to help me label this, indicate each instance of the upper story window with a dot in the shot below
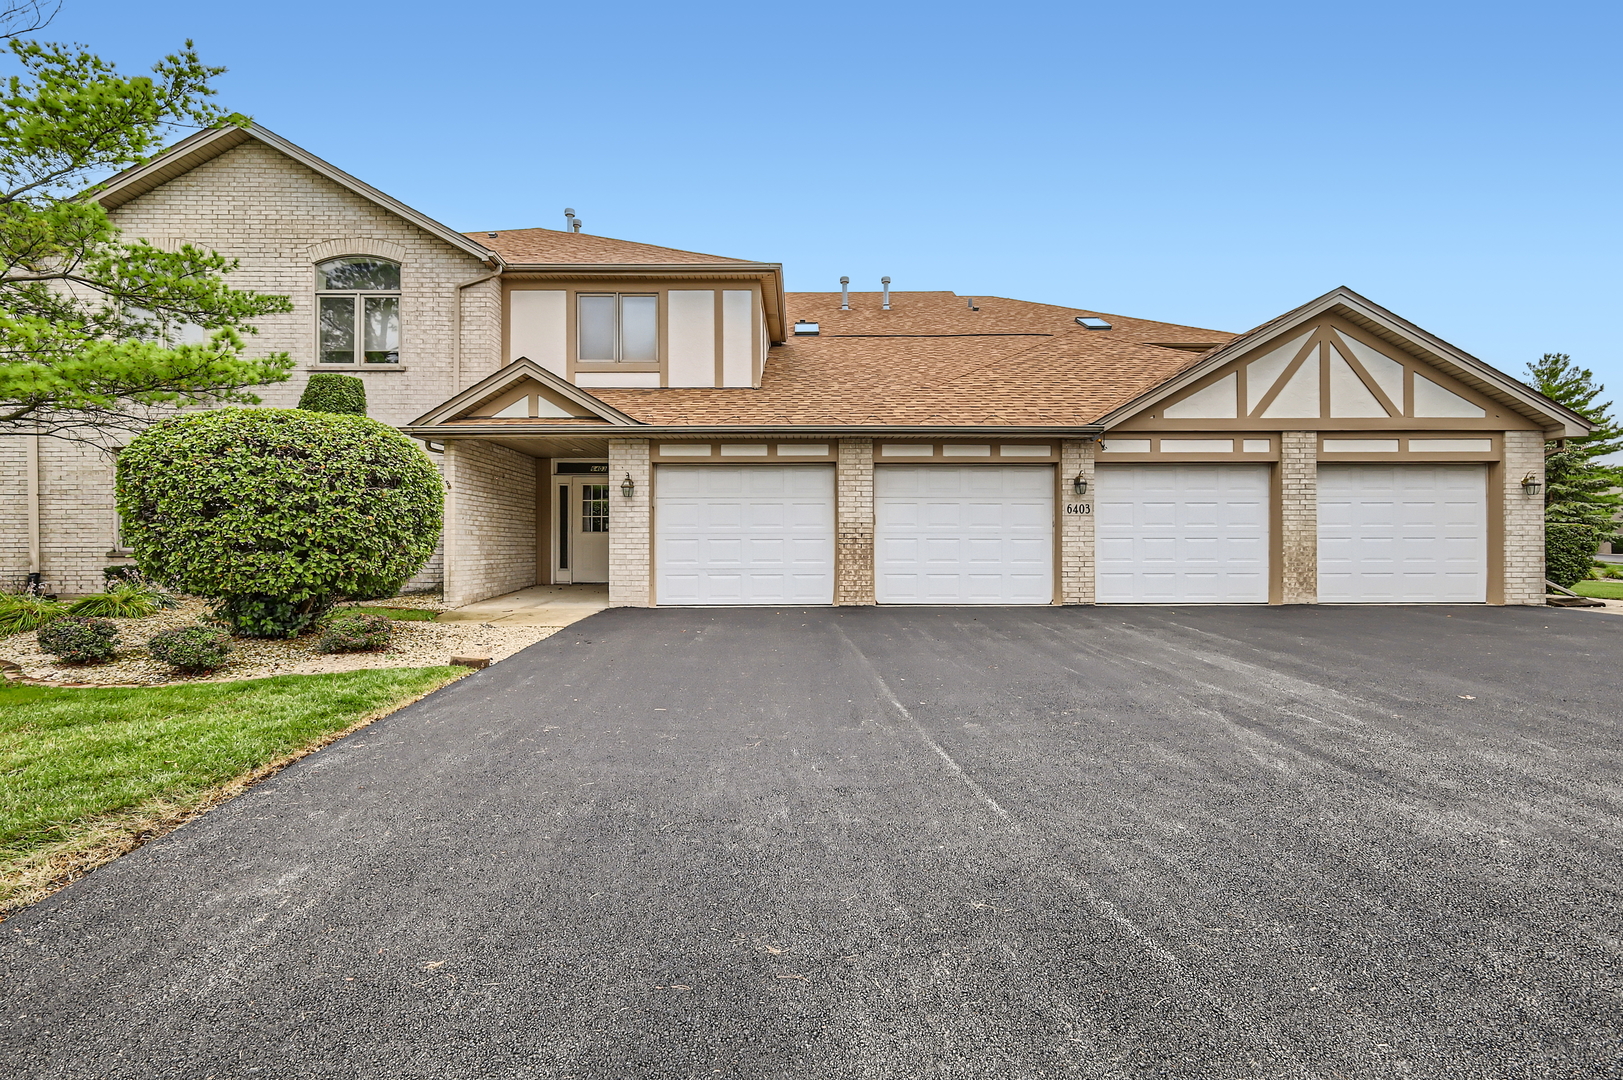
(618, 327)
(359, 301)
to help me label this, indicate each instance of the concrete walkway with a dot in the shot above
(539, 605)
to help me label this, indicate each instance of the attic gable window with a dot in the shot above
(618, 328)
(358, 298)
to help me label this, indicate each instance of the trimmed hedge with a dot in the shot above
(1569, 552)
(276, 514)
(79, 640)
(197, 649)
(330, 392)
(356, 631)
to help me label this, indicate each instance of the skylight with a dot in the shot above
(1089, 322)
(805, 329)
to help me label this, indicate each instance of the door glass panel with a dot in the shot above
(563, 526)
(337, 329)
(639, 329)
(597, 328)
(594, 508)
(382, 329)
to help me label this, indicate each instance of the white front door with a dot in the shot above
(1403, 534)
(1181, 534)
(744, 534)
(977, 534)
(581, 529)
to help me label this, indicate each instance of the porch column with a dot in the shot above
(489, 521)
(1076, 543)
(854, 524)
(631, 548)
(1523, 519)
(1298, 518)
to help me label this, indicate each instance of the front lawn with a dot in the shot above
(86, 775)
(1603, 590)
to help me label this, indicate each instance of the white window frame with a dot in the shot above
(360, 297)
(619, 328)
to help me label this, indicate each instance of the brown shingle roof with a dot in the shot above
(571, 248)
(931, 360)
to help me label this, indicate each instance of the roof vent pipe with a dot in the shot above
(885, 281)
(845, 293)
(571, 222)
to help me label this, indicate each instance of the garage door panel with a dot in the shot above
(1182, 534)
(744, 534)
(1396, 534)
(964, 535)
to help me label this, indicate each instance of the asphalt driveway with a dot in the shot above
(898, 843)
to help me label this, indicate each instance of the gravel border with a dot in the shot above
(416, 644)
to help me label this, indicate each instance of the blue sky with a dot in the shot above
(1211, 164)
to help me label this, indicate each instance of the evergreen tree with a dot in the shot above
(1580, 489)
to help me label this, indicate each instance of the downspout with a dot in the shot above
(34, 569)
(456, 342)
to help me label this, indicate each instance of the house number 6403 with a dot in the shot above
(1079, 508)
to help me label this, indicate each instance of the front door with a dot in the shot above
(581, 539)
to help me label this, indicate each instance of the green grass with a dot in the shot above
(105, 769)
(1604, 590)
(402, 614)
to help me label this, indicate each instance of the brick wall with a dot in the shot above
(490, 514)
(630, 524)
(854, 523)
(1524, 519)
(1076, 544)
(1299, 517)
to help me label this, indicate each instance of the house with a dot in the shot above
(677, 425)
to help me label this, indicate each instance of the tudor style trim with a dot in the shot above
(1559, 421)
(519, 370)
(205, 146)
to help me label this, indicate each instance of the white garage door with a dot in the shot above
(1181, 534)
(1403, 534)
(971, 535)
(744, 534)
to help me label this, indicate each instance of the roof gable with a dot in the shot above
(1345, 358)
(554, 246)
(205, 146)
(525, 392)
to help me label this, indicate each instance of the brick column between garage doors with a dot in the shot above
(1076, 534)
(854, 524)
(1299, 517)
(631, 552)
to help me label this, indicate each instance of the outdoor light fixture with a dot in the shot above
(1531, 485)
(1079, 485)
(628, 486)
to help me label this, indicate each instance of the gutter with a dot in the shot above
(456, 341)
(481, 431)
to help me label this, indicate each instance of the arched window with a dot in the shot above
(359, 301)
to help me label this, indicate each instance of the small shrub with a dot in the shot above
(126, 572)
(196, 649)
(330, 392)
(356, 631)
(21, 612)
(79, 640)
(1569, 552)
(127, 599)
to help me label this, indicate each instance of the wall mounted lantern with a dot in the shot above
(1531, 485)
(1079, 485)
(628, 486)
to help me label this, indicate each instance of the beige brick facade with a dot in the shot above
(854, 524)
(631, 552)
(1524, 519)
(490, 507)
(1298, 545)
(1076, 558)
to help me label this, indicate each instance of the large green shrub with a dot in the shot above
(1569, 552)
(196, 649)
(330, 392)
(276, 514)
(79, 640)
